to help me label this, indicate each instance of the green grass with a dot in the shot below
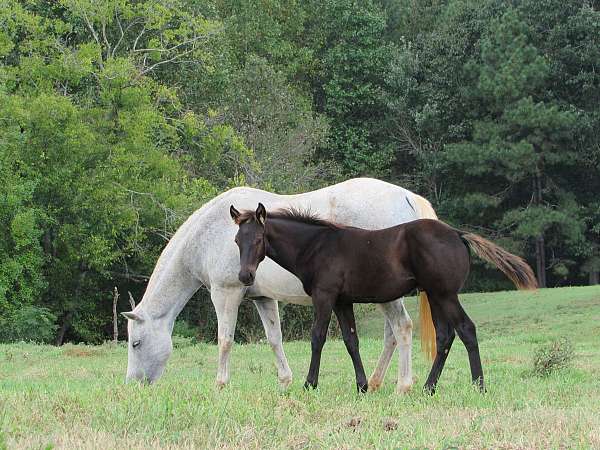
(74, 396)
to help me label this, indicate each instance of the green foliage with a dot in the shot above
(183, 329)
(28, 323)
(98, 153)
(486, 105)
(348, 83)
(280, 128)
(296, 322)
(552, 357)
(119, 118)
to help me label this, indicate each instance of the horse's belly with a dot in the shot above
(277, 283)
(372, 288)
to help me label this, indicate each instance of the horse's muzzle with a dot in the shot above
(247, 278)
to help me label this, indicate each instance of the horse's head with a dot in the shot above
(250, 240)
(149, 346)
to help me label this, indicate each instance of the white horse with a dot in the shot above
(203, 252)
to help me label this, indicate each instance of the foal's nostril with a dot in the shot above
(246, 277)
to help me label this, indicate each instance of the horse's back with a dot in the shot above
(208, 235)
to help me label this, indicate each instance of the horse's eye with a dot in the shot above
(136, 344)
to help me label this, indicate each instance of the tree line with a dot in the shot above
(119, 118)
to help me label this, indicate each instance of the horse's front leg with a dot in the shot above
(345, 315)
(389, 346)
(269, 315)
(226, 302)
(401, 325)
(323, 304)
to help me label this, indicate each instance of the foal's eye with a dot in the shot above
(136, 344)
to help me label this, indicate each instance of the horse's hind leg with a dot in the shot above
(465, 328)
(401, 325)
(345, 315)
(444, 337)
(226, 302)
(269, 315)
(389, 345)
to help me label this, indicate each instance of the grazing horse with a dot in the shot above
(339, 266)
(202, 252)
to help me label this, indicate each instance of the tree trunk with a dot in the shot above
(66, 322)
(115, 316)
(540, 248)
(540, 259)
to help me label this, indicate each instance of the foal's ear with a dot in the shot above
(235, 214)
(261, 213)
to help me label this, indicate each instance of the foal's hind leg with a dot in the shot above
(465, 328)
(444, 337)
(345, 315)
(448, 315)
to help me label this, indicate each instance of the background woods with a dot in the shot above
(119, 118)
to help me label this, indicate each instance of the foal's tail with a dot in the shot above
(514, 267)
(428, 347)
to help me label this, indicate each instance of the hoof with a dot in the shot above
(220, 384)
(374, 384)
(403, 388)
(285, 382)
(309, 386)
(362, 387)
(428, 389)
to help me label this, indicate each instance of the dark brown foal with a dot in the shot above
(339, 266)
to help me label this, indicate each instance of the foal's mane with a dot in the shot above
(294, 214)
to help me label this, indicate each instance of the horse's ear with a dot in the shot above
(261, 213)
(130, 315)
(235, 214)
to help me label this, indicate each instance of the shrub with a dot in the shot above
(28, 323)
(183, 329)
(554, 356)
(296, 321)
(184, 334)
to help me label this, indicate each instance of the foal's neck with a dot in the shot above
(287, 240)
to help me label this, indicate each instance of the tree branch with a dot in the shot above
(94, 34)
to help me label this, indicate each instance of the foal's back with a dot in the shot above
(382, 265)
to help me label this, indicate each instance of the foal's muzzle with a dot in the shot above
(247, 278)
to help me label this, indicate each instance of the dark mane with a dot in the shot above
(305, 216)
(296, 214)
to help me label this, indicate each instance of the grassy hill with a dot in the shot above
(74, 396)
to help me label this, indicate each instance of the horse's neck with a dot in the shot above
(288, 239)
(169, 289)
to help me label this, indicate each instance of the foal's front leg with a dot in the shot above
(345, 315)
(323, 304)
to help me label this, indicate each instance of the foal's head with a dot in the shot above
(250, 239)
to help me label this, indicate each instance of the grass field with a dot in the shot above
(74, 396)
